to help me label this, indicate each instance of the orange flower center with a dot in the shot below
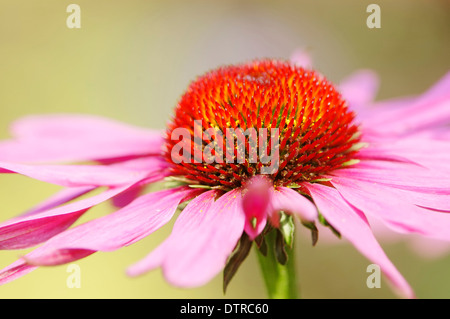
(265, 117)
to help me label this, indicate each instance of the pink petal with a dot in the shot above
(399, 175)
(121, 228)
(288, 200)
(413, 149)
(62, 197)
(380, 107)
(360, 89)
(396, 207)
(123, 199)
(14, 271)
(424, 246)
(31, 229)
(354, 226)
(191, 215)
(153, 165)
(45, 221)
(256, 203)
(148, 163)
(430, 110)
(20, 267)
(74, 138)
(437, 202)
(202, 239)
(76, 175)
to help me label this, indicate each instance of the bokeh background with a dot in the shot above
(131, 60)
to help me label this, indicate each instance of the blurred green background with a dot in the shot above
(131, 60)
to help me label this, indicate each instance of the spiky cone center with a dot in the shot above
(316, 130)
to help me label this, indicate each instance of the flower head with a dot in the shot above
(334, 157)
(316, 133)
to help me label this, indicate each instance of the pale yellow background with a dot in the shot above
(131, 60)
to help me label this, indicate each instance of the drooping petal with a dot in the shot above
(436, 202)
(61, 197)
(397, 208)
(46, 220)
(123, 199)
(147, 163)
(426, 247)
(430, 110)
(354, 226)
(399, 175)
(288, 200)
(14, 271)
(153, 165)
(76, 175)
(423, 150)
(21, 267)
(188, 220)
(34, 228)
(202, 239)
(75, 138)
(121, 228)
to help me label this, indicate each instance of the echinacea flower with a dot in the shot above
(320, 154)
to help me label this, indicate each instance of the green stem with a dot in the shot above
(280, 279)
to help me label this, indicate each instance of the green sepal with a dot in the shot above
(324, 222)
(280, 248)
(261, 242)
(314, 231)
(235, 261)
(287, 228)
